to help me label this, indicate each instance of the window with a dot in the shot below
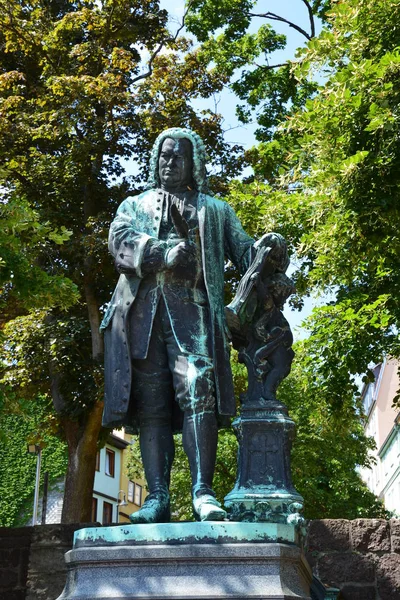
(94, 510)
(138, 495)
(131, 491)
(368, 397)
(107, 513)
(135, 493)
(98, 460)
(110, 462)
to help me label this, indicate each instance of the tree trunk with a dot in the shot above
(82, 434)
(94, 320)
(82, 447)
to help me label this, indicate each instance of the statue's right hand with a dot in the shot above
(181, 254)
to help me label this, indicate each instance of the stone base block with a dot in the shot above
(187, 571)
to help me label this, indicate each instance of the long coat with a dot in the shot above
(221, 237)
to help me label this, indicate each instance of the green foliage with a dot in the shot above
(22, 237)
(206, 16)
(329, 181)
(18, 468)
(333, 179)
(340, 165)
(39, 348)
(268, 91)
(330, 444)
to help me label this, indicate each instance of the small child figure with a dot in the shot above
(273, 360)
(258, 328)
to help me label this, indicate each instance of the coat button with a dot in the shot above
(124, 399)
(128, 303)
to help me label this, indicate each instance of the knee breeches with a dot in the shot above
(167, 374)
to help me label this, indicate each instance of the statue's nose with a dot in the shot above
(171, 160)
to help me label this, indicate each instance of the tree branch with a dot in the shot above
(274, 17)
(161, 46)
(269, 67)
(311, 17)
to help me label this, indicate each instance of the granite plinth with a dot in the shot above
(174, 565)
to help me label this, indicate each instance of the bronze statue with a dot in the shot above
(166, 340)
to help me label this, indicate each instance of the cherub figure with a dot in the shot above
(273, 360)
(259, 330)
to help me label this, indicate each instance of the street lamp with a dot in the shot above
(36, 450)
(122, 502)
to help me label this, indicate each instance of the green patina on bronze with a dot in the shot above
(185, 533)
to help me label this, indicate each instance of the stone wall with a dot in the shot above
(14, 559)
(32, 565)
(360, 557)
(47, 570)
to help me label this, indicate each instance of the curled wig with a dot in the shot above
(199, 157)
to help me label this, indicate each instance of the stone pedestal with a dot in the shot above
(187, 561)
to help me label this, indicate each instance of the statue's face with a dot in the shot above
(175, 165)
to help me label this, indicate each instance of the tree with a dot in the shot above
(341, 157)
(72, 107)
(328, 181)
(267, 90)
(24, 285)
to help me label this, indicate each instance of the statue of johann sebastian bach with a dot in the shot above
(166, 348)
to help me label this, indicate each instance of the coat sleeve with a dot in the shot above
(135, 252)
(241, 249)
(238, 245)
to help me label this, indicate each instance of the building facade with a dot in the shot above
(115, 496)
(383, 424)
